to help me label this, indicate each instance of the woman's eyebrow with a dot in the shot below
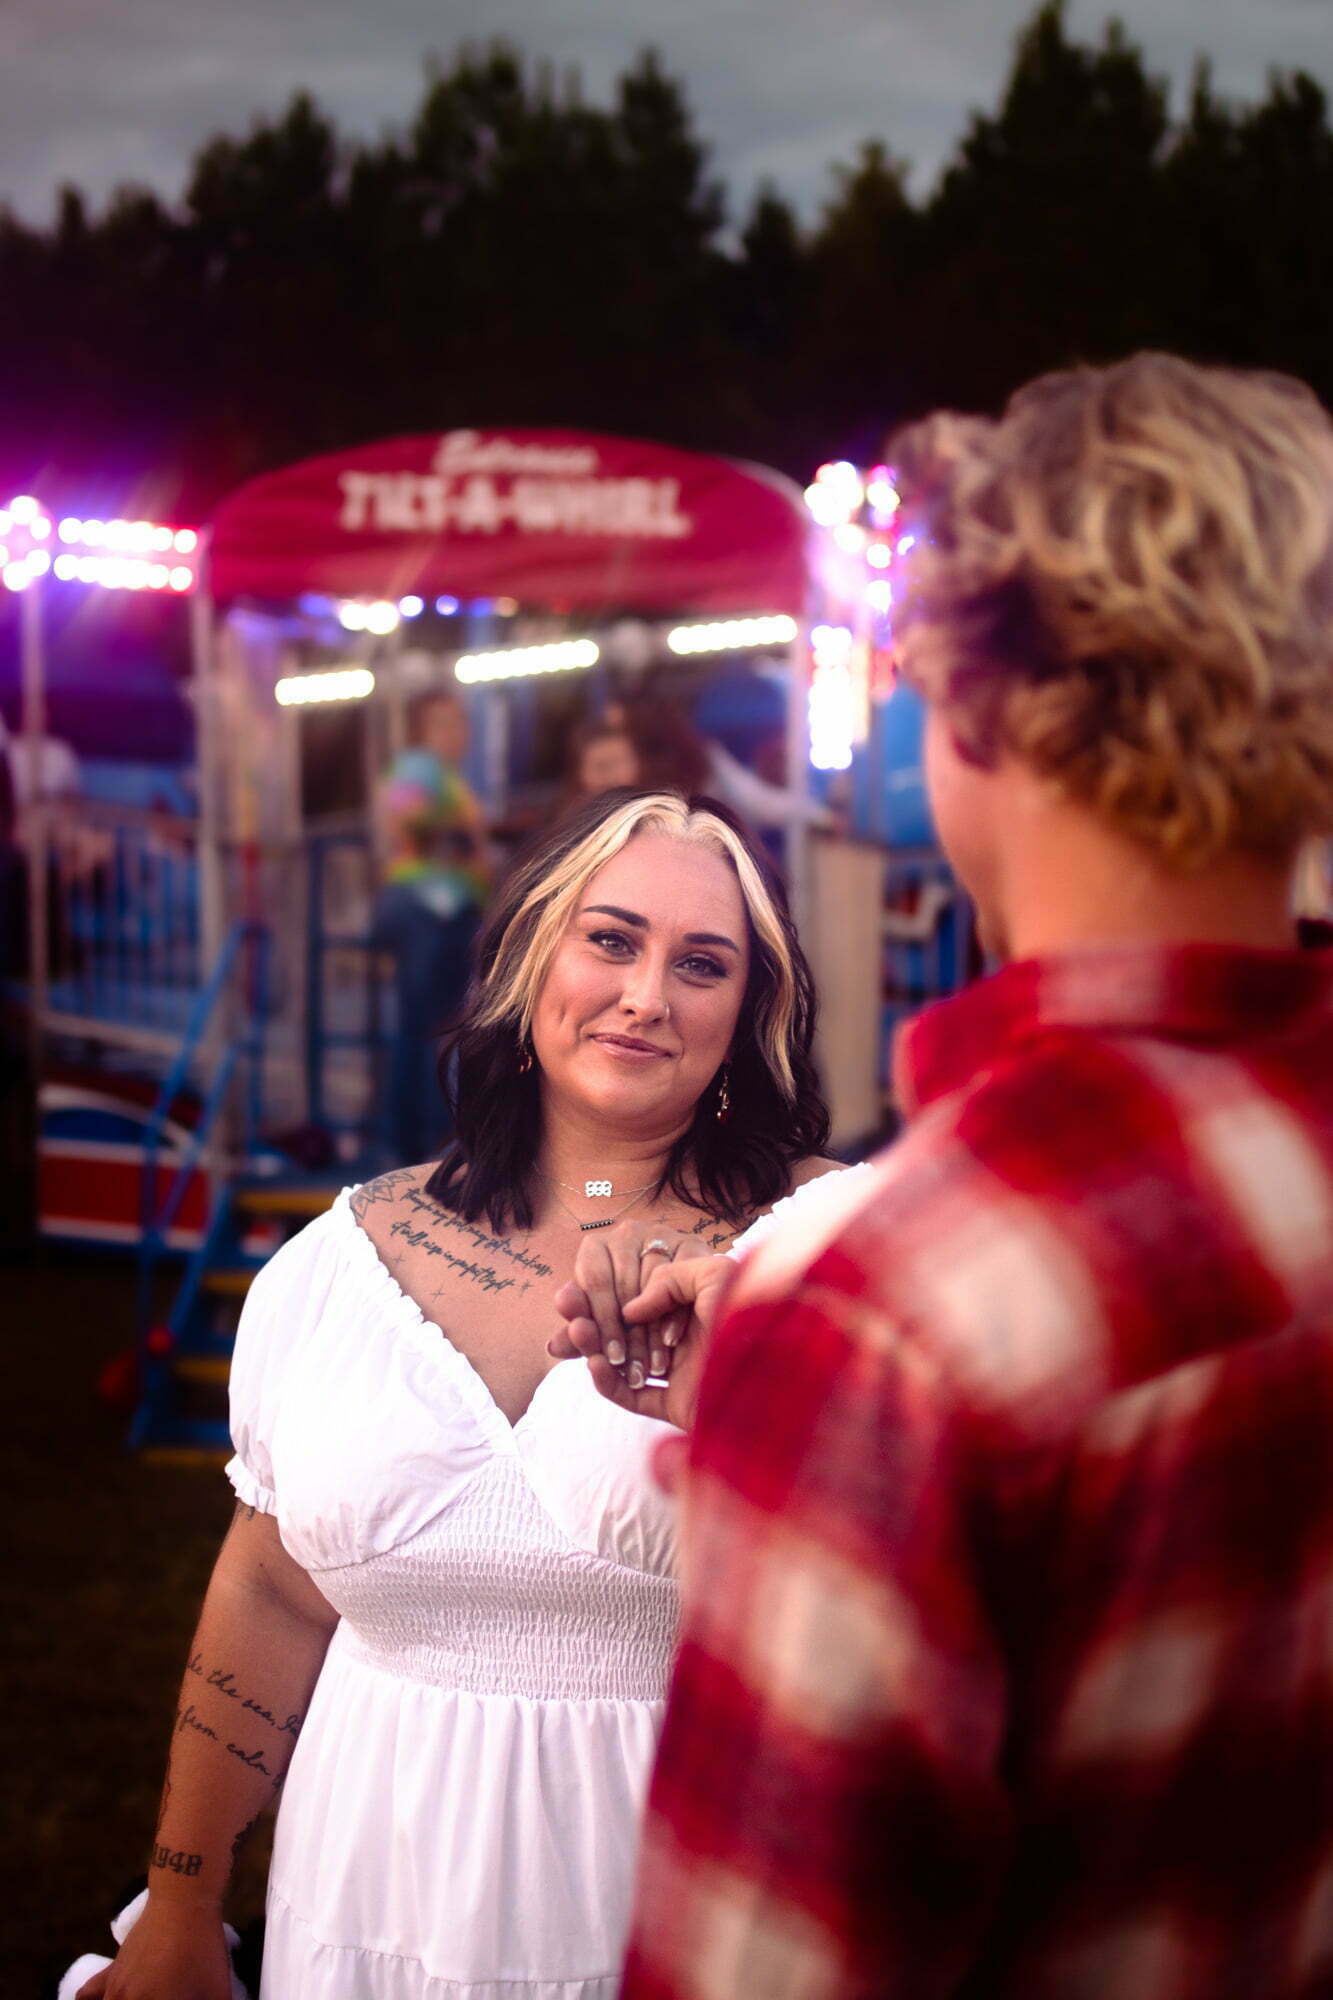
(610, 910)
(639, 923)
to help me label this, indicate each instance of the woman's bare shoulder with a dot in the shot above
(391, 1190)
(814, 1169)
(381, 1206)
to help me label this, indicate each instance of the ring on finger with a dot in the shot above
(657, 1244)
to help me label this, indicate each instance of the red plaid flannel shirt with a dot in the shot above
(1007, 1662)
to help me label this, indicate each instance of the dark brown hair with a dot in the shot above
(727, 1167)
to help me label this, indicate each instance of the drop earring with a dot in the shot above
(723, 1096)
(525, 1047)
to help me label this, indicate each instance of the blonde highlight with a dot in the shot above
(515, 980)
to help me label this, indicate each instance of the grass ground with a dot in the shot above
(107, 1562)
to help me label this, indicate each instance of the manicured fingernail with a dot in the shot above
(670, 1336)
(657, 1361)
(615, 1352)
(634, 1375)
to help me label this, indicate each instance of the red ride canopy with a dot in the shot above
(562, 518)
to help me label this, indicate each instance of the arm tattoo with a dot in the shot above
(176, 1859)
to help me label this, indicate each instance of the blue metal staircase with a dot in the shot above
(183, 1363)
(260, 1197)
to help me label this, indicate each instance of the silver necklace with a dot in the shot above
(597, 1190)
(606, 1220)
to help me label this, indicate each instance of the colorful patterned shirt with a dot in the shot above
(434, 831)
(1007, 1660)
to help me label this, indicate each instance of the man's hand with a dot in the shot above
(682, 1294)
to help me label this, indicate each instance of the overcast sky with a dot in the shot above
(101, 91)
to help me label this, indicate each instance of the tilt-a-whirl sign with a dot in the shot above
(560, 518)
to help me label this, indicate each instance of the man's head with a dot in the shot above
(1121, 603)
(438, 722)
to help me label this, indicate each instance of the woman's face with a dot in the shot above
(606, 762)
(641, 1002)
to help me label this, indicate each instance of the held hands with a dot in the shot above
(639, 1309)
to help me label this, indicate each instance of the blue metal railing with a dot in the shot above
(122, 933)
(333, 1018)
(245, 948)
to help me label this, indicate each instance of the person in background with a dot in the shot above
(1007, 1650)
(435, 881)
(603, 757)
(649, 743)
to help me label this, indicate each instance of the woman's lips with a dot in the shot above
(626, 1046)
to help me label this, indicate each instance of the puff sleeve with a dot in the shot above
(280, 1306)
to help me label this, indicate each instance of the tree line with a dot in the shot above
(520, 256)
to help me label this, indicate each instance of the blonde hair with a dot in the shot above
(549, 902)
(1127, 582)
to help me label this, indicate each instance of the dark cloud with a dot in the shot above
(96, 94)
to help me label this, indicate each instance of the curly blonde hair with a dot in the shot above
(1127, 582)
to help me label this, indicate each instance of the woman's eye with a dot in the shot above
(613, 941)
(704, 968)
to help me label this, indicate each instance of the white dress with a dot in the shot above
(460, 1816)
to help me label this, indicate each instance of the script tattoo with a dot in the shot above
(493, 1246)
(716, 1234)
(189, 1718)
(462, 1250)
(484, 1275)
(493, 1263)
(225, 1683)
(252, 1759)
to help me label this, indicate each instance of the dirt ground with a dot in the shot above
(106, 1562)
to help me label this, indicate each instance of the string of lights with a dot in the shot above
(110, 555)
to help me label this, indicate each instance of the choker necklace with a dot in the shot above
(597, 1190)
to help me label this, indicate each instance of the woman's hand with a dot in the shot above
(612, 1268)
(176, 1951)
(685, 1293)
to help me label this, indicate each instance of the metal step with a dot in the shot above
(309, 1199)
(210, 1455)
(202, 1368)
(234, 1280)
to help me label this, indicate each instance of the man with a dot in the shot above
(436, 878)
(1007, 1654)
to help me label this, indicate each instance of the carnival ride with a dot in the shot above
(228, 954)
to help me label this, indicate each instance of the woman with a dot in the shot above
(450, 1572)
